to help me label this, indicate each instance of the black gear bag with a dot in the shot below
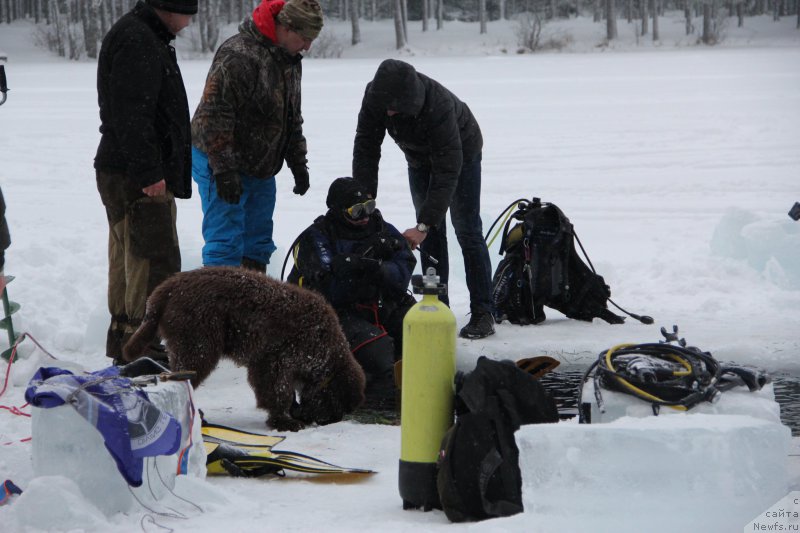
(478, 469)
(541, 267)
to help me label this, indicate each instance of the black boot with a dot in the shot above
(114, 336)
(481, 324)
(252, 264)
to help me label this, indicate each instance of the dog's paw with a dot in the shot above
(285, 423)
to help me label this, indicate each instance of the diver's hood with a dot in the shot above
(397, 86)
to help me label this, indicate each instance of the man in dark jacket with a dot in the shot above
(362, 265)
(144, 160)
(442, 143)
(247, 123)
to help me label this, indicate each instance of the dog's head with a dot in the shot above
(339, 393)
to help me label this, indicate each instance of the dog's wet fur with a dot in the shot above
(287, 337)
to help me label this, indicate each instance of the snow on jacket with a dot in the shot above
(328, 237)
(432, 128)
(249, 118)
(144, 112)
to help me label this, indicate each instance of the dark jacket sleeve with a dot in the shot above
(396, 272)
(134, 93)
(297, 150)
(446, 160)
(370, 132)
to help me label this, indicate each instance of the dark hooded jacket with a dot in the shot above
(144, 112)
(249, 118)
(433, 128)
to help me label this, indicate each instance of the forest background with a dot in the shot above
(74, 28)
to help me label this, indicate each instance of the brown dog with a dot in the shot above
(289, 339)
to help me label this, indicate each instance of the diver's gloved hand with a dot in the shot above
(229, 186)
(301, 180)
(382, 246)
(348, 265)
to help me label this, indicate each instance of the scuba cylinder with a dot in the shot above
(429, 363)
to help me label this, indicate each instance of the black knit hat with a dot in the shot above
(184, 7)
(346, 192)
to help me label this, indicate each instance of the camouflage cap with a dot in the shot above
(303, 17)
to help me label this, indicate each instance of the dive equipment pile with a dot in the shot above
(666, 373)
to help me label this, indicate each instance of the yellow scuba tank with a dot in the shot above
(428, 370)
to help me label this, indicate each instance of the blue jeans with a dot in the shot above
(234, 231)
(465, 214)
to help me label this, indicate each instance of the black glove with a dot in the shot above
(229, 186)
(300, 180)
(355, 265)
(382, 246)
(346, 265)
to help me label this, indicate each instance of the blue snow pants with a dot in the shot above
(234, 231)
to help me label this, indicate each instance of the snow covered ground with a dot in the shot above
(676, 163)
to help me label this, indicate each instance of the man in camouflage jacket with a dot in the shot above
(247, 124)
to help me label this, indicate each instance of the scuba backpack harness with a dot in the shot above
(541, 266)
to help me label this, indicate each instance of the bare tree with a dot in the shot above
(356, 37)
(529, 30)
(89, 17)
(707, 30)
(400, 36)
(74, 40)
(654, 11)
(208, 19)
(611, 20)
(56, 39)
(440, 14)
(644, 15)
(404, 12)
(425, 10)
(687, 15)
(482, 15)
